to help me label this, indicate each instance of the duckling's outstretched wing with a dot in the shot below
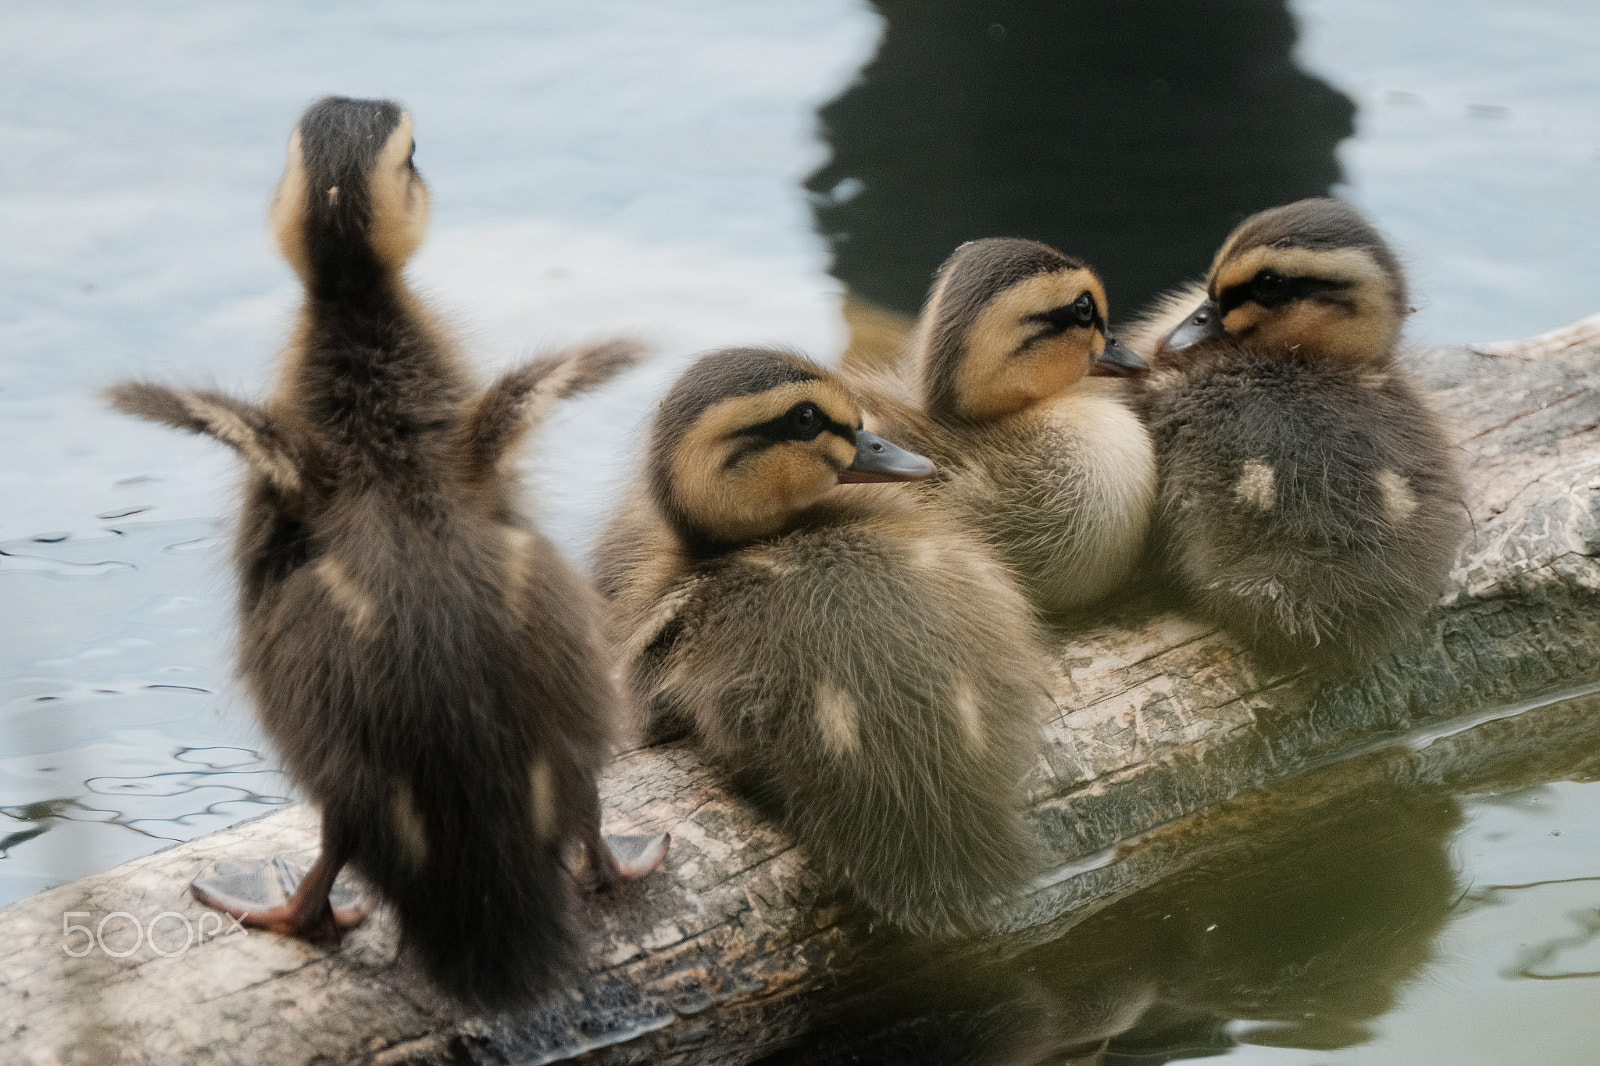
(248, 429)
(524, 397)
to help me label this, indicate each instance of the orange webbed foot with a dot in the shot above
(282, 896)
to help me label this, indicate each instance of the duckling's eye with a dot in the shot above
(804, 421)
(1079, 312)
(1268, 286)
(412, 155)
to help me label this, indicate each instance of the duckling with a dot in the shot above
(1309, 500)
(1039, 451)
(431, 671)
(862, 665)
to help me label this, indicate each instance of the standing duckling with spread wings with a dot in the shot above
(863, 665)
(431, 671)
(1309, 500)
(1038, 451)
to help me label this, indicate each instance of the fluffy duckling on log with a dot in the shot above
(1309, 500)
(862, 665)
(432, 673)
(1038, 450)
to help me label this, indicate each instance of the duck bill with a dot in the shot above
(1204, 324)
(878, 460)
(1117, 361)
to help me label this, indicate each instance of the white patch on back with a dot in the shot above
(352, 602)
(541, 782)
(1399, 502)
(1257, 485)
(838, 719)
(964, 704)
(408, 826)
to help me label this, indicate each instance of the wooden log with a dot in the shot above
(1159, 717)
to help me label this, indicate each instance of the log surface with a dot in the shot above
(1158, 717)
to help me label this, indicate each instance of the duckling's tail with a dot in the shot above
(466, 853)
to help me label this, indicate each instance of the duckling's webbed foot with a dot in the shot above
(618, 857)
(280, 895)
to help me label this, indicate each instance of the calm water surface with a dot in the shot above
(699, 173)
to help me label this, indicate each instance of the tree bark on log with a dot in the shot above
(1158, 717)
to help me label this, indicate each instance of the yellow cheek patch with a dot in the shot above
(756, 495)
(992, 378)
(1363, 324)
(400, 203)
(840, 449)
(288, 211)
(786, 476)
(1243, 317)
(1330, 331)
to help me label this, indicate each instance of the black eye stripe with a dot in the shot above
(1295, 287)
(775, 430)
(1059, 319)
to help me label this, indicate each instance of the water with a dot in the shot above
(1401, 908)
(699, 173)
(1136, 135)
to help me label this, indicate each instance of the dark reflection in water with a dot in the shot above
(1310, 924)
(1134, 135)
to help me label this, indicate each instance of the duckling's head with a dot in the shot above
(1009, 323)
(351, 207)
(749, 437)
(1312, 276)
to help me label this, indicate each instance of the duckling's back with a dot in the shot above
(432, 679)
(426, 664)
(1309, 504)
(874, 680)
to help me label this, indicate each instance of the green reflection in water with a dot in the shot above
(1133, 135)
(1352, 915)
